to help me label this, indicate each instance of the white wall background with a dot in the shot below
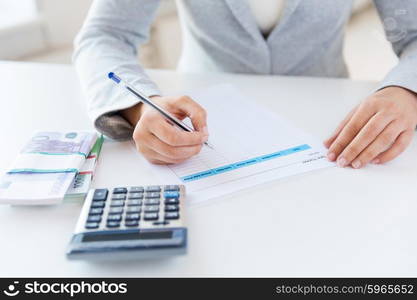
(62, 19)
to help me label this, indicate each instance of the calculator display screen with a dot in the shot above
(127, 236)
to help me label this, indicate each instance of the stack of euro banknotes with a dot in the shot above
(51, 167)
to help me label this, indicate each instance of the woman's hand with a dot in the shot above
(159, 141)
(377, 130)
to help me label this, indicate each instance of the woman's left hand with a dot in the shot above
(377, 130)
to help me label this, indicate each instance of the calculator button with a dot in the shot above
(172, 208)
(172, 216)
(116, 203)
(172, 201)
(151, 216)
(153, 195)
(136, 189)
(96, 211)
(160, 223)
(113, 224)
(153, 188)
(120, 190)
(152, 208)
(117, 218)
(170, 195)
(96, 204)
(91, 225)
(135, 195)
(134, 202)
(131, 223)
(94, 218)
(132, 217)
(171, 188)
(118, 197)
(100, 194)
(115, 210)
(152, 202)
(133, 209)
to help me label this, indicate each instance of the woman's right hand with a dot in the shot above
(159, 141)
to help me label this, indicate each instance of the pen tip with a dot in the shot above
(208, 145)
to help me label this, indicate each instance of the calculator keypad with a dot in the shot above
(100, 194)
(118, 197)
(134, 202)
(153, 188)
(120, 190)
(136, 189)
(172, 216)
(91, 225)
(134, 206)
(152, 202)
(98, 204)
(152, 195)
(135, 196)
(172, 201)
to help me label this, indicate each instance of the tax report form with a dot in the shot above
(251, 145)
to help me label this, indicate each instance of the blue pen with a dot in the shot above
(172, 119)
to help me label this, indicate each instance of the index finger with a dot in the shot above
(186, 106)
(348, 133)
(174, 136)
(329, 141)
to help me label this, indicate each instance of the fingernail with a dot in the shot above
(376, 161)
(331, 156)
(205, 130)
(356, 164)
(341, 162)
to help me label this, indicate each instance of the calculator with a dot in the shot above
(130, 222)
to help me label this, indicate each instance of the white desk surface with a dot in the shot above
(333, 222)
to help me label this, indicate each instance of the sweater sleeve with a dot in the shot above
(108, 42)
(400, 24)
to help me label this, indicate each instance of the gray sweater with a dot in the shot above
(222, 36)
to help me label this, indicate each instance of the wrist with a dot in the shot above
(134, 113)
(394, 89)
